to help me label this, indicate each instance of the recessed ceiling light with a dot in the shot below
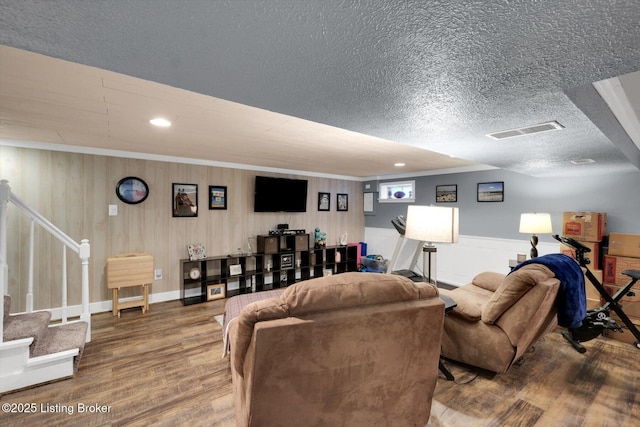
(399, 164)
(582, 161)
(160, 122)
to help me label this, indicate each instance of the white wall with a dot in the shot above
(457, 263)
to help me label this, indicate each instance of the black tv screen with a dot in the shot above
(280, 195)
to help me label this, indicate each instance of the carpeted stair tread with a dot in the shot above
(62, 338)
(26, 325)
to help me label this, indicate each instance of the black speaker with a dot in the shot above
(283, 226)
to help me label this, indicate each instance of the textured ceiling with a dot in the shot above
(438, 75)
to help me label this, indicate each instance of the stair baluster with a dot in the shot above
(50, 356)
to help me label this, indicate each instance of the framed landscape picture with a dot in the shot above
(185, 200)
(215, 291)
(491, 191)
(217, 197)
(446, 193)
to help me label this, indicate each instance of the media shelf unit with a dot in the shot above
(217, 271)
(289, 262)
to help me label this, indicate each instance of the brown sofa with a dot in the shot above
(498, 317)
(352, 349)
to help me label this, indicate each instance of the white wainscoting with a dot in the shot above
(457, 263)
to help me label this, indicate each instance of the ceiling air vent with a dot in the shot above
(529, 130)
(582, 161)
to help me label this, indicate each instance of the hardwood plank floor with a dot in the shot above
(165, 368)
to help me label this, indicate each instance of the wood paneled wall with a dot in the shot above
(74, 190)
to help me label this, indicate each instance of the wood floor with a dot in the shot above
(165, 368)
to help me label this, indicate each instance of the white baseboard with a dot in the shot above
(104, 306)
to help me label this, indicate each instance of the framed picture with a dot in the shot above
(343, 202)
(185, 200)
(324, 201)
(196, 251)
(215, 291)
(217, 197)
(446, 193)
(235, 270)
(491, 191)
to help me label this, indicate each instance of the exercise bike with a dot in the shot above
(597, 319)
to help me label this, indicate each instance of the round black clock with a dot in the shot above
(132, 190)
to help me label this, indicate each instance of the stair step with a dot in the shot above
(27, 325)
(63, 337)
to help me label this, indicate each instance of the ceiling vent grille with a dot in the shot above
(582, 161)
(529, 130)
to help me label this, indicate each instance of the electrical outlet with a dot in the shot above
(158, 274)
(113, 210)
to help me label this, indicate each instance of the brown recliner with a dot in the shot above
(499, 317)
(353, 349)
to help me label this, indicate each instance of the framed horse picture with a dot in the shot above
(185, 200)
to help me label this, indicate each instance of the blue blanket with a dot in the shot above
(571, 301)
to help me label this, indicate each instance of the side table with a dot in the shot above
(449, 304)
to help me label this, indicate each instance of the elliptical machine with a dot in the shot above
(597, 319)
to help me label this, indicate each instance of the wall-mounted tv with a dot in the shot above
(280, 195)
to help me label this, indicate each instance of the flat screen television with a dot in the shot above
(280, 195)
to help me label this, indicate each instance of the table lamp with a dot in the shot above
(431, 224)
(535, 223)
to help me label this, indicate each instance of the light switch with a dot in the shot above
(113, 210)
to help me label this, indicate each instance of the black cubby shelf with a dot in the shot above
(260, 272)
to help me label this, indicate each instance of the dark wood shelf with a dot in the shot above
(285, 260)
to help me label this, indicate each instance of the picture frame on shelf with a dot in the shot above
(196, 251)
(217, 197)
(491, 191)
(324, 201)
(215, 291)
(235, 270)
(343, 202)
(446, 193)
(185, 200)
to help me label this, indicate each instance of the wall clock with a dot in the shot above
(194, 273)
(132, 190)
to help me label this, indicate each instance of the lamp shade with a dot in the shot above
(432, 224)
(535, 223)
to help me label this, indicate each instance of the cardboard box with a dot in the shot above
(630, 302)
(593, 256)
(626, 245)
(625, 336)
(590, 290)
(584, 226)
(593, 303)
(615, 265)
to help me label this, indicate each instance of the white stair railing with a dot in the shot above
(83, 250)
